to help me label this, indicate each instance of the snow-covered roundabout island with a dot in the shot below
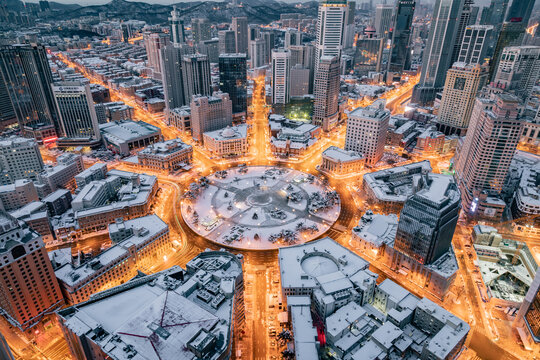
(260, 207)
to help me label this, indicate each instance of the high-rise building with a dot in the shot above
(177, 33)
(233, 80)
(257, 53)
(369, 51)
(209, 113)
(173, 84)
(366, 131)
(196, 76)
(281, 67)
(253, 32)
(269, 45)
(200, 30)
(293, 37)
(513, 30)
(474, 44)
(349, 31)
(210, 48)
(28, 287)
(383, 20)
(326, 91)
(330, 28)
(483, 160)
(227, 42)
(463, 82)
(240, 27)
(401, 32)
(519, 70)
(154, 42)
(19, 159)
(428, 220)
(25, 71)
(78, 118)
(7, 113)
(299, 81)
(438, 51)
(463, 22)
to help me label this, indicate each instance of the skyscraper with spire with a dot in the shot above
(177, 27)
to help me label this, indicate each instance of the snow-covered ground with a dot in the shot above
(260, 207)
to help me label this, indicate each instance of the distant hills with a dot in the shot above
(257, 11)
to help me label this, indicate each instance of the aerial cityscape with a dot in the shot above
(266, 179)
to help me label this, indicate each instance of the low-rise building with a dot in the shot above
(341, 162)
(60, 176)
(389, 188)
(173, 314)
(507, 266)
(18, 194)
(138, 243)
(36, 216)
(362, 320)
(230, 141)
(122, 194)
(291, 138)
(180, 118)
(123, 137)
(98, 171)
(166, 156)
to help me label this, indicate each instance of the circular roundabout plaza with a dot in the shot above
(260, 207)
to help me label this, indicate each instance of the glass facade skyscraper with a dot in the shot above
(428, 219)
(401, 33)
(25, 70)
(233, 79)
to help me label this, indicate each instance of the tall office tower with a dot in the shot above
(330, 25)
(401, 32)
(173, 84)
(463, 22)
(326, 107)
(383, 20)
(209, 113)
(25, 71)
(257, 53)
(483, 161)
(438, 51)
(227, 42)
(474, 15)
(529, 311)
(293, 37)
(513, 29)
(281, 68)
(19, 159)
(368, 55)
(178, 35)
(5, 351)
(28, 287)
(253, 32)
(366, 131)
(349, 31)
(7, 112)
(209, 48)
(428, 219)
(200, 30)
(154, 42)
(475, 43)
(519, 70)
(78, 118)
(233, 80)
(299, 81)
(269, 45)
(196, 76)
(463, 82)
(240, 27)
